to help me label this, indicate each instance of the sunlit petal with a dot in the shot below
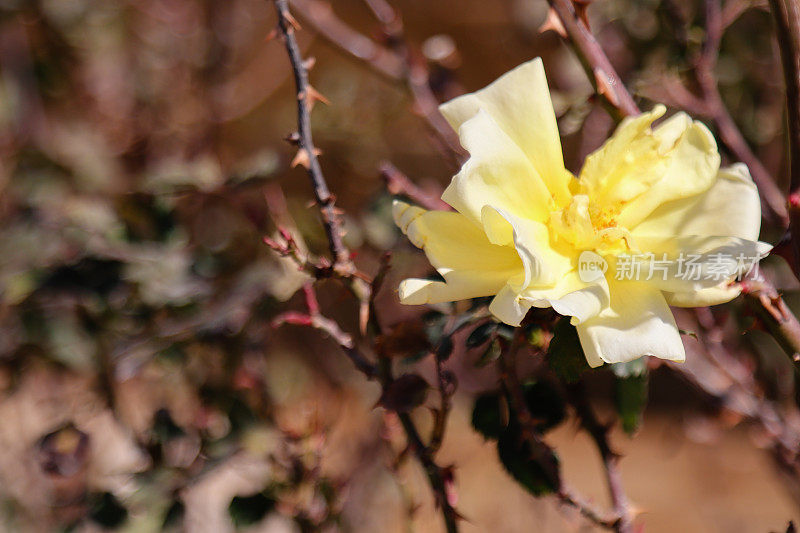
(637, 322)
(519, 102)
(459, 250)
(497, 173)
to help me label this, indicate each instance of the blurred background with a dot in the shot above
(142, 161)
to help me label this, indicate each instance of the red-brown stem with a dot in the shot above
(396, 62)
(398, 183)
(705, 65)
(601, 73)
(599, 433)
(787, 21)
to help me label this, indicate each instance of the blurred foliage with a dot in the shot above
(142, 162)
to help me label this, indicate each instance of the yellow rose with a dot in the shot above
(528, 232)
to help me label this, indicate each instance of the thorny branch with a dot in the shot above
(307, 152)
(599, 433)
(345, 268)
(313, 318)
(397, 61)
(787, 21)
(544, 455)
(601, 73)
(398, 183)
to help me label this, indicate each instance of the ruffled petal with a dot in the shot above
(460, 252)
(508, 307)
(543, 265)
(689, 263)
(731, 208)
(497, 173)
(579, 303)
(519, 102)
(719, 294)
(569, 297)
(638, 169)
(637, 322)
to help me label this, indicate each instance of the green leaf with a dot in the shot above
(108, 511)
(491, 412)
(631, 399)
(537, 472)
(637, 367)
(490, 354)
(445, 349)
(487, 415)
(481, 334)
(545, 404)
(247, 510)
(565, 354)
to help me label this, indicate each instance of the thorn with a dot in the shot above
(313, 96)
(582, 10)
(309, 62)
(605, 86)
(292, 21)
(287, 236)
(302, 157)
(271, 35)
(553, 22)
(293, 138)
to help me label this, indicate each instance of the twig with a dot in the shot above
(435, 473)
(540, 451)
(319, 13)
(705, 65)
(417, 79)
(787, 21)
(780, 320)
(733, 9)
(601, 73)
(313, 318)
(599, 433)
(395, 62)
(345, 268)
(710, 104)
(307, 152)
(398, 183)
